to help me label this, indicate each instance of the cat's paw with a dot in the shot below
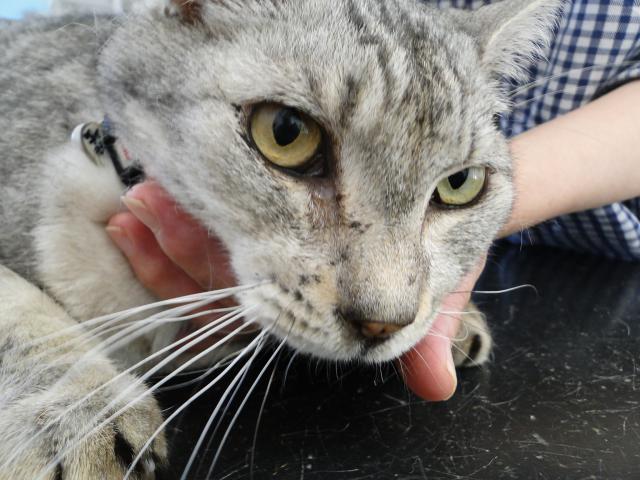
(47, 436)
(473, 343)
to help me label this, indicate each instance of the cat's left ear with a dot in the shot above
(190, 11)
(510, 32)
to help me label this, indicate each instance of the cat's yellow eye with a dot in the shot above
(285, 136)
(462, 187)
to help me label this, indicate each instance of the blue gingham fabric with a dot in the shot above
(596, 48)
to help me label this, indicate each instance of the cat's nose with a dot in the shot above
(372, 329)
(378, 330)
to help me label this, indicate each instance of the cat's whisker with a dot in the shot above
(479, 326)
(537, 97)
(120, 339)
(189, 341)
(276, 354)
(426, 364)
(402, 368)
(564, 73)
(452, 313)
(452, 339)
(247, 395)
(506, 290)
(286, 370)
(456, 316)
(259, 420)
(202, 373)
(462, 338)
(141, 328)
(464, 354)
(82, 436)
(424, 361)
(225, 400)
(143, 378)
(213, 328)
(228, 403)
(114, 318)
(132, 325)
(497, 292)
(184, 318)
(253, 344)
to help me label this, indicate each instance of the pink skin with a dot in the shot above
(172, 255)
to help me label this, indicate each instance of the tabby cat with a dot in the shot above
(344, 152)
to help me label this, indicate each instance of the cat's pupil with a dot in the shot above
(287, 126)
(457, 180)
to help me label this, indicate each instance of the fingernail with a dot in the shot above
(140, 210)
(451, 370)
(121, 239)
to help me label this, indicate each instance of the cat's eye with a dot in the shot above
(462, 187)
(285, 136)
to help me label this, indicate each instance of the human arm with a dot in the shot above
(585, 159)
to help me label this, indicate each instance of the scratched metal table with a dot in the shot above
(561, 400)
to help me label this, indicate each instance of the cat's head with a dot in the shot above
(344, 151)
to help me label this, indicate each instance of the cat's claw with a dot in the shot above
(66, 410)
(107, 453)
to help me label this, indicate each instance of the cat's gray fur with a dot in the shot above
(407, 94)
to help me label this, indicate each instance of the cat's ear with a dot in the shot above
(511, 32)
(189, 11)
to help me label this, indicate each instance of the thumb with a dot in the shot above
(428, 367)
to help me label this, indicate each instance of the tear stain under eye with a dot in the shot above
(324, 191)
(323, 204)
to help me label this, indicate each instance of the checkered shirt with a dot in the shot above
(596, 48)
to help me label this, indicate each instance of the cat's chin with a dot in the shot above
(357, 350)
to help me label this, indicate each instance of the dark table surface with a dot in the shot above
(559, 400)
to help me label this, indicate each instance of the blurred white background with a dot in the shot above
(18, 8)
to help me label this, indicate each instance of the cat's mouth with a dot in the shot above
(312, 324)
(340, 341)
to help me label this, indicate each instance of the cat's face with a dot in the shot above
(385, 99)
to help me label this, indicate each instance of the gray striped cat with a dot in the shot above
(344, 152)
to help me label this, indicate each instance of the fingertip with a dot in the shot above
(152, 195)
(121, 220)
(120, 237)
(430, 371)
(431, 377)
(453, 377)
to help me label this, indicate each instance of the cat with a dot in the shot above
(344, 152)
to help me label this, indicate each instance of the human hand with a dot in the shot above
(170, 253)
(428, 368)
(172, 256)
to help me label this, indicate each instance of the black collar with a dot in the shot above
(99, 140)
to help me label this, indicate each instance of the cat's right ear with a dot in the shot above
(510, 33)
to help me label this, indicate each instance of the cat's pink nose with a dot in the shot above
(371, 329)
(378, 330)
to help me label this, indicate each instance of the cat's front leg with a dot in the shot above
(65, 410)
(472, 345)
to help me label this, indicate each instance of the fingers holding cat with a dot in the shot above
(152, 266)
(171, 254)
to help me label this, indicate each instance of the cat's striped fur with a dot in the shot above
(406, 95)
